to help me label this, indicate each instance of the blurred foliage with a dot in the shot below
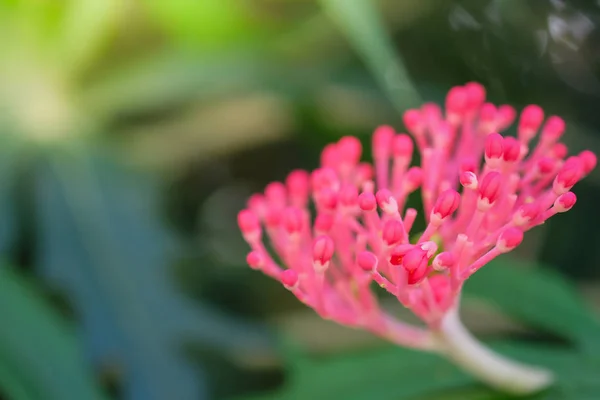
(132, 132)
(532, 296)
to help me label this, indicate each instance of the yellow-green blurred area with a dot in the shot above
(133, 131)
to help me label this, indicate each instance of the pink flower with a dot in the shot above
(481, 191)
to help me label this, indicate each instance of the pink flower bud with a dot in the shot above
(446, 204)
(328, 198)
(546, 165)
(412, 120)
(349, 195)
(275, 193)
(398, 253)
(512, 149)
(589, 161)
(525, 214)
(553, 128)
(324, 178)
(382, 140)
(289, 278)
(322, 252)
(330, 156)
(367, 261)
(293, 220)
(489, 189)
(367, 201)
(509, 239)
(255, 260)
(414, 179)
(468, 164)
(324, 223)
(249, 223)
(559, 150)
(273, 217)
(402, 146)
(469, 180)
(565, 202)
(494, 147)
(532, 117)
(568, 176)
(414, 259)
(393, 232)
(298, 184)
(475, 94)
(456, 100)
(506, 116)
(443, 261)
(364, 172)
(488, 114)
(386, 201)
(350, 149)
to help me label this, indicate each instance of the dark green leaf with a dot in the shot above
(362, 24)
(538, 297)
(101, 242)
(39, 355)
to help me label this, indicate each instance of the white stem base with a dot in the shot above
(460, 347)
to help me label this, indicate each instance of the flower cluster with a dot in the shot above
(480, 190)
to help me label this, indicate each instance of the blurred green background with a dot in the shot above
(132, 131)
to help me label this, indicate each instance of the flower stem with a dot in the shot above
(501, 373)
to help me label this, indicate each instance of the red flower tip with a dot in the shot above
(443, 261)
(469, 180)
(546, 165)
(297, 183)
(414, 178)
(382, 140)
(568, 175)
(289, 278)
(386, 201)
(589, 161)
(350, 149)
(367, 261)
(457, 100)
(248, 222)
(506, 116)
(565, 202)
(447, 202)
(475, 94)
(494, 147)
(254, 260)
(509, 239)
(349, 195)
(393, 232)
(553, 128)
(402, 146)
(293, 220)
(526, 213)
(398, 253)
(367, 201)
(489, 189)
(415, 263)
(532, 117)
(488, 113)
(322, 252)
(468, 164)
(324, 223)
(412, 120)
(560, 150)
(512, 149)
(327, 198)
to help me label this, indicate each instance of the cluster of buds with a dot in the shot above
(480, 190)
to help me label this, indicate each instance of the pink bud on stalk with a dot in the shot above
(475, 211)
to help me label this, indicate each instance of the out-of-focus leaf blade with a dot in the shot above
(10, 151)
(538, 297)
(361, 23)
(39, 356)
(100, 241)
(85, 26)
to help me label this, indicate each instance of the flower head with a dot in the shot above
(481, 191)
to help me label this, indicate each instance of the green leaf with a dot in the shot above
(360, 21)
(101, 242)
(39, 355)
(538, 297)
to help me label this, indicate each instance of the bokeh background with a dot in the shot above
(132, 131)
